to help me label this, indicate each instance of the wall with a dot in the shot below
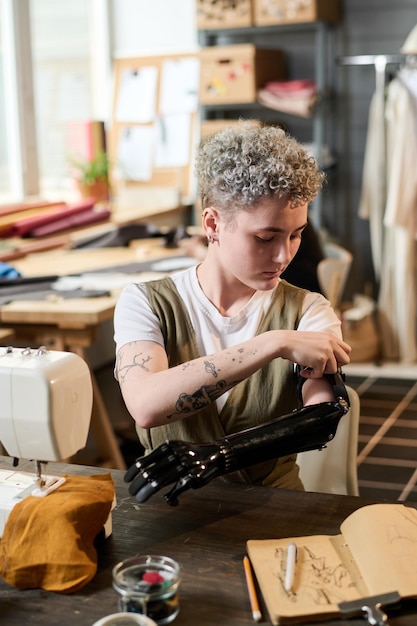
(153, 26)
(368, 27)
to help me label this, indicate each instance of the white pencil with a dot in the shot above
(290, 569)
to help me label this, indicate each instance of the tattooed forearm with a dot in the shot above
(191, 403)
(139, 360)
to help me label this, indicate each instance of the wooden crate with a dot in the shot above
(233, 74)
(269, 12)
(224, 13)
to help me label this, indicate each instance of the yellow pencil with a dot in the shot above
(256, 613)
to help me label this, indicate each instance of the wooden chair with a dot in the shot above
(334, 468)
(333, 271)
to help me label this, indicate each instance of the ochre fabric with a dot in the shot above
(48, 542)
(268, 393)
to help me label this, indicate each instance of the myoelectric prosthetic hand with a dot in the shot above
(191, 466)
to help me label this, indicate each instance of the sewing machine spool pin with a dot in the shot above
(370, 608)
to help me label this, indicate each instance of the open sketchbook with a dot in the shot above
(376, 553)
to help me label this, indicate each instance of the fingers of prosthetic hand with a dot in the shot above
(151, 481)
(144, 462)
(142, 489)
(187, 465)
(152, 472)
(193, 480)
(183, 484)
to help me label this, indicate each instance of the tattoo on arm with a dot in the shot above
(210, 368)
(191, 403)
(139, 360)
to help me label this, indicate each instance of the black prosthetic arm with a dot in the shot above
(309, 428)
(191, 466)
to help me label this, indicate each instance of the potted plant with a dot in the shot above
(92, 177)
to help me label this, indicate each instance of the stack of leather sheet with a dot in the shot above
(42, 219)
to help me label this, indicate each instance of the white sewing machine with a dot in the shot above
(46, 399)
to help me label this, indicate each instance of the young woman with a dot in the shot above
(212, 350)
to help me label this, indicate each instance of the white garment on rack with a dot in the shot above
(397, 298)
(401, 125)
(372, 199)
(394, 231)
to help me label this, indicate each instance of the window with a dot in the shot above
(60, 52)
(61, 71)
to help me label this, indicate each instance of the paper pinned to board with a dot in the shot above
(137, 95)
(179, 86)
(173, 133)
(135, 153)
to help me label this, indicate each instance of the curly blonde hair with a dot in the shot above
(244, 163)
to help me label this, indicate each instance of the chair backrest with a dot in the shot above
(334, 468)
(333, 271)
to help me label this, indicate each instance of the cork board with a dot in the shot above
(153, 132)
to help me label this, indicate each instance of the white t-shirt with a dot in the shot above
(134, 319)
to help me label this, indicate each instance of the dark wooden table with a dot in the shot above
(206, 534)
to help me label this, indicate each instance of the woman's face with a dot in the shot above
(260, 243)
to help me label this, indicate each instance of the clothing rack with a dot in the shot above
(380, 63)
(398, 327)
(371, 59)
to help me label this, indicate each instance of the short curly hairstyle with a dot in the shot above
(242, 164)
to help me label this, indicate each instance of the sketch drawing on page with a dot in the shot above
(324, 581)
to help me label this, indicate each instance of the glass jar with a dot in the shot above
(148, 584)
(125, 619)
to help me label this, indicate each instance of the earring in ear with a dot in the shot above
(210, 238)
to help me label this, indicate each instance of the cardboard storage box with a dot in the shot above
(224, 13)
(268, 12)
(211, 127)
(233, 74)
